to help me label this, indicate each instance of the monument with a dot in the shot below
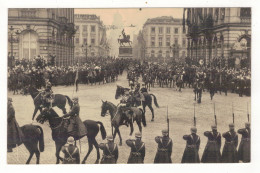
(125, 48)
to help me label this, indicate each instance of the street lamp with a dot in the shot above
(11, 41)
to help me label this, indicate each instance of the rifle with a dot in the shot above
(215, 116)
(233, 114)
(168, 123)
(247, 113)
(194, 117)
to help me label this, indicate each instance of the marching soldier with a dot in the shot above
(71, 152)
(164, 150)
(229, 153)
(244, 147)
(110, 151)
(211, 152)
(191, 152)
(76, 127)
(14, 133)
(137, 153)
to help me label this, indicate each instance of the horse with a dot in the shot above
(124, 40)
(33, 135)
(146, 102)
(117, 117)
(197, 89)
(59, 100)
(60, 134)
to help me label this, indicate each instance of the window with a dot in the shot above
(85, 40)
(176, 30)
(92, 41)
(29, 45)
(167, 54)
(160, 30)
(184, 31)
(153, 30)
(152, 41)
(160, 53)
(152, 53)
(176, 41)
(77, 40)
(85, 28)
(168, 30)
(93, 28)
(183, 41)
(168, 41)
(245, 12)
(160, 41)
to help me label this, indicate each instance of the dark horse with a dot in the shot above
(197, 89)
(147, 102)
(60, 134)
(117, 117)
(59, 100)
(33, 135)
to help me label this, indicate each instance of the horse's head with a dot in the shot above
(119, 91)
(43, 116)
(104, 108)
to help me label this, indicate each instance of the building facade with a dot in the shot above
(222, 34)
(164, 39)
(90, 37)
(48, 32)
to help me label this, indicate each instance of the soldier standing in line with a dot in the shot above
(137, 153)
(244, 150)
(191, 152)
(110, 151)
(164, 150)
(211, 152)
(71, 152)
(229, 153)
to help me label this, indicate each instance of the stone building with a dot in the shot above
(41, 31)
(222, 34)
(90, 37)
(164, 39)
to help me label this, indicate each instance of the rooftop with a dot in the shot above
(163, 20)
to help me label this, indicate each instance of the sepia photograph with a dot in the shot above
(129, 85)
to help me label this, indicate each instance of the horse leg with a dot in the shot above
(151, 108)
(58, 148)
(132, 128)
(34, 113)
(120, 138)
(97, 148)
(90, 148)
(139, 125)
(30, 157)
(37, 153)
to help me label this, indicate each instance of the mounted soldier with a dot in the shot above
(71, 152)
(76, 127)
(138, 95)
(110, 151)
(191, 152)
(137, 153)
(125, 104)
(47, 95)
(164, 150)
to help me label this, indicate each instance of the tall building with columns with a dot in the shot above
(90, 37)
(219, 33)
(164, 39)
(41, 31)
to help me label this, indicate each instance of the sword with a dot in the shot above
(215, 115)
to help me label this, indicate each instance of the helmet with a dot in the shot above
(138, 135)
(10, 99)
(193, 130)
(75, 98)
(70, 140)
(165, 131)
(110, 138)
(214, 127)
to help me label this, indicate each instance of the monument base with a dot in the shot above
(125, 52)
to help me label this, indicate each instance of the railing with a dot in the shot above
(245, 19)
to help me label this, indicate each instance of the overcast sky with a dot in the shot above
(123, 17)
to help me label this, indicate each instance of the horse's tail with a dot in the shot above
(155, 101)
(102, 129)
(41, 139)
(143, 118)
(69, 101)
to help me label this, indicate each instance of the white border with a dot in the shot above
(252, 167)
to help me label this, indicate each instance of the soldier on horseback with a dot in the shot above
(125, 104)
(138, 95)
(75, 127)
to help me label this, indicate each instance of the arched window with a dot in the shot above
(29, 45)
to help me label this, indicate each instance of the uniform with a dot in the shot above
(14, 133)
(76, 127)
(71, 154)
(110, 153)
(229, 153)
(211, 152)
(244, 150)
(191, 154)
(137, 153)
(164, 150)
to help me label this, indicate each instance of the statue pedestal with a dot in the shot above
(125, 52)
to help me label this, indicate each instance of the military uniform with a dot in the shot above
(244, 150)
(110, 152)
(14, 133)
(71, 153)
(137, 153)
(211, 152)
(229, 153)
(164, 150)
(191, 152)
(76, 127)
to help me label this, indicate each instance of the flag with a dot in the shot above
(76, 80)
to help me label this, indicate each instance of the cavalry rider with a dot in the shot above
(125, 104)
(76, 127)
(138, 95)
(71, 152)
(143, 89)
(47, 94)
